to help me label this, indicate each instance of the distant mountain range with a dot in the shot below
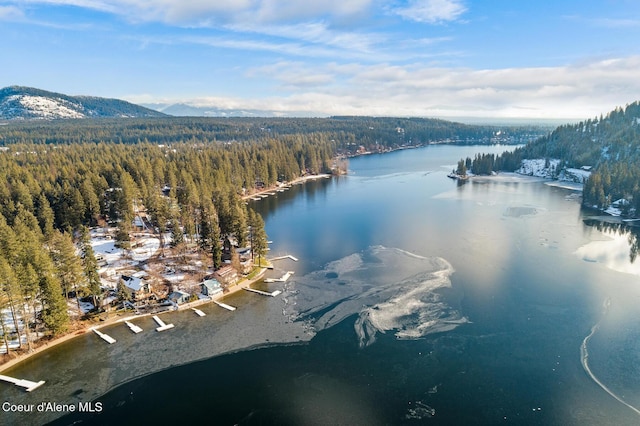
(27, 103)
(186, 110)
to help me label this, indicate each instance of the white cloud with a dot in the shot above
(432, 11)
(574, 91)
(216, 12)
(9, 13)
(318, 33)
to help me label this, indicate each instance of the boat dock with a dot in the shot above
(133, 327)
(162, 325)
(264, 293)
(288, 256)
(27, 384)
(224, 305)
(283, 279)
(105, 337)
(198, 312)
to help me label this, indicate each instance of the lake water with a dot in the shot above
(415, 300)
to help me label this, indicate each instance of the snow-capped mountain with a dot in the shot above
(27, 103)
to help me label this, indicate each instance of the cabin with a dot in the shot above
(246, 263)
(179, 297)
(210, 287)
(136, 287)
(226, 276)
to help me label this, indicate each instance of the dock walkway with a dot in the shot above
(264, 293)
(162, 325)
(27, 384)
(105, 337)
(224, 305)
(288, 256)
(133, 327)
(282, 279)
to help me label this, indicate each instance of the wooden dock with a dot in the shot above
(282, 279)
(198, 312)
(264, 293)
(133, 327)
(28, 385)
(162, 325)
(105, 337)
(288, 256)
(224, 305)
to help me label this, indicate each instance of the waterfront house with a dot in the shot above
(210, 287)
(226, 276)
(136, 287)
(179, 297)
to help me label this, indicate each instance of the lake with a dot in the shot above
(416, 300)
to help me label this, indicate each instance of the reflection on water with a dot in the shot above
(619, 248)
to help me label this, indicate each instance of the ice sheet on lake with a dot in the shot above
(390, 289)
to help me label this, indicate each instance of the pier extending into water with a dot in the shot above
(288, 256)
(133, 327)
(105, 337)
(224, 305)
(264, 293)
(282, 279)
(162, 325)
(28, 385)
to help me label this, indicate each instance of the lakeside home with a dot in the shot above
(226, 275)
(179, 297)
(210, 287)
(136, 287)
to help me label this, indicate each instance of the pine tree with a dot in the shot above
(90, 266)
(258, 236)
(67, 264)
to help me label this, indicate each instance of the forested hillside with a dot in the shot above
(609, 146)
(28, 103)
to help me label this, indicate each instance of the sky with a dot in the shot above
(428, 58)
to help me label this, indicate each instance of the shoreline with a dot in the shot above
(85, 328)
(296, 181)
(88, 328)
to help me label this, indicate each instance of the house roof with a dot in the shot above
(178, 295)
(211, 284)
(133, 283)
(226, 271)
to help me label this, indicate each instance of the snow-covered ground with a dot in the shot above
(42, 107)
(553, 170)
(538, 168)
(9, 326)
(113, 259)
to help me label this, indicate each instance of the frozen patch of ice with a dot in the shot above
(390, 290)
(419, 411)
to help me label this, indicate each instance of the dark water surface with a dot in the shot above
(416, 300)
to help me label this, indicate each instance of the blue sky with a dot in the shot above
(430, 58)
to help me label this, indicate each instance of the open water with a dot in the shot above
(415, 300)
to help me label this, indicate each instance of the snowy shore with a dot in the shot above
(121, 318)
